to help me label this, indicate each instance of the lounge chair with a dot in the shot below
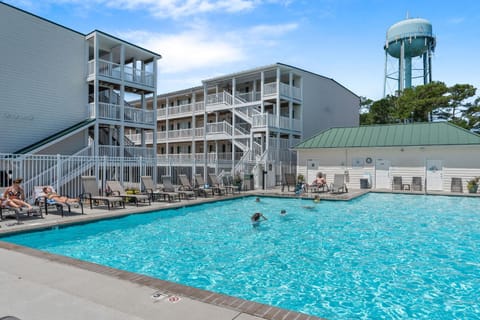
(42, 200)
(397, 183)
(156, 193)
(456, 185)
(169, 187)
(117, 190)
(228, 184)
(417, 183)
(316, 187)
(338, 184)
(216, 185)
(6, 210)
(91, 193)
(202, 187)
(289, 180)
(187, 186)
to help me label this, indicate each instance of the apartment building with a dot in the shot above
(64, 104)
(247, 122)
(64, 92)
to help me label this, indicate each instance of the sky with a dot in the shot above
(338, 39)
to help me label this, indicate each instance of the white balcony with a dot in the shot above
(181, 110)
(115, 71)
(116, 151)
(110, 111)
(286, 91)
(271, 121)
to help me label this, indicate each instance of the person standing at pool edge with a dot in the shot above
(256, 219)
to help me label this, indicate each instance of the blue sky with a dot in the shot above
(339, 39)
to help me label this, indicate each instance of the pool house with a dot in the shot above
(442, 156)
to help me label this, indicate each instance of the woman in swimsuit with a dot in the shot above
(56, 197)
(16, 195)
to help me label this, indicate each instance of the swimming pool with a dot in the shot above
(379, 256)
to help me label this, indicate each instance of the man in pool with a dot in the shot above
(256, 218)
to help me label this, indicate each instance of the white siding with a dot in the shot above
(327, 104)
(407, 162)
(42, 79)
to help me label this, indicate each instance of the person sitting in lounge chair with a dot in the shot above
(53, 196)
(319, 181)
(16, 195)
(7, 203)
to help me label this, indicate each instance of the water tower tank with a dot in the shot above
(408, 39)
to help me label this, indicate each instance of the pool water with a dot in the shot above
(379, 256)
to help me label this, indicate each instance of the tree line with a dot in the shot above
(431, 102)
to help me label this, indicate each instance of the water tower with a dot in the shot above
(412, 43)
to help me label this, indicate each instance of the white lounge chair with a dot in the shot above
(338, 185)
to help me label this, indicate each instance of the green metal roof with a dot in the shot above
(415, 134)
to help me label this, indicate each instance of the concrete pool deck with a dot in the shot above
(38, 285)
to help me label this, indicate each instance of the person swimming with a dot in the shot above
(256, 218)
(283, 212)
(316, 199)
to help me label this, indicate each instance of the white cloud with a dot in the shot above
(189, 50)
(201, 46)
(171, 8)
(273, 30)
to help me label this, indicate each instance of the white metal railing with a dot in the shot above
(297, 93)
(110, 111)
(219, 128)
(138, 76)
(63, 172)
(116, 151)
(248, 96)
(241, 145)
(256, 150)
(180, 134)
(270, 120)
(181, 110)
(220, 98)
(285, 90)
(247, 113)
(161, 113)
(137, 115)
(114, 70)
(199, 106)
(270, 88)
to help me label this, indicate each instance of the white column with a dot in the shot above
(234, 90)
(205, 115)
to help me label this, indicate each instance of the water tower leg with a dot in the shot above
(425, 68)
(408, 72)
(385, 73)
(401, 67)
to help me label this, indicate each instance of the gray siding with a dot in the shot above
(327, 104)
(42, 79)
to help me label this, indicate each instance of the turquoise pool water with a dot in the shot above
(379, 256)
